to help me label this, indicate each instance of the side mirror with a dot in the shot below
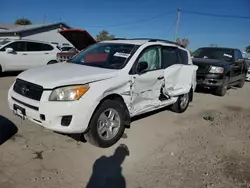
(142, 67)
(9, 50)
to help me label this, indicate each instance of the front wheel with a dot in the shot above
(107, 125)
(181, 104)
(221, 91)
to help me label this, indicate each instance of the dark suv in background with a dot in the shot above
(220, 68)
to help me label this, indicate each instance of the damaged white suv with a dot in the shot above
(100, 89)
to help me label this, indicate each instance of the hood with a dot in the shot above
(60, 74)
(79, 38)
(208, 62)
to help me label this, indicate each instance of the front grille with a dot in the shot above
(202, 69)
(28, 89)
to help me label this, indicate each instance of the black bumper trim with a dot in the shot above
(25, 104)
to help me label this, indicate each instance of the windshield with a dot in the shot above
(214, 53)
(105, 55)
(3, 42)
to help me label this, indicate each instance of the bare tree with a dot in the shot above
(185, 42)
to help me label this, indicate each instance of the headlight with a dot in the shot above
(70, 93)
(216, 70)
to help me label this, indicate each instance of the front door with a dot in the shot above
(16, 60)
(146, 87)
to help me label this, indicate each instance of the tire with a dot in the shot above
(1, 71)
(222, 90)
(95, 137)
(51, 62)
(241, 82)
(178, 106)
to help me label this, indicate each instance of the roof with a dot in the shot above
(13, 28)
(135, 42)
(29, 40)
(142, 41)
(226, 48)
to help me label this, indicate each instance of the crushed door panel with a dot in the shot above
(179, 79)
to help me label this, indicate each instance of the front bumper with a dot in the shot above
(209, 80)
(49, 114)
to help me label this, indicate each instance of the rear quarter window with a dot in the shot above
(184, 56)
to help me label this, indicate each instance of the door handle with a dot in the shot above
(24, 54)
(160, 77)
(46, 53)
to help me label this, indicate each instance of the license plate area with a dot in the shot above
(19, 111)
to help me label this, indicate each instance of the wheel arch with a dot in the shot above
(191, 95)
(118, 97)
(53, 60)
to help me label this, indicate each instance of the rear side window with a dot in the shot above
(17, 46)
(34, 46)
(183, 56)
(170, 56)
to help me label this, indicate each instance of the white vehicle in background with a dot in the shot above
(102, 87)
(247, 59)
(19, 55)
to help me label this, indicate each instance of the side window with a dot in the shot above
(236, 55)
(17, 46)
(170, 56)
(152, 56)
(183, 56)
(239, 54)
(34, 46)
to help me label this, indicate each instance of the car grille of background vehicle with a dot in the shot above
(28, 90)
(202, 69)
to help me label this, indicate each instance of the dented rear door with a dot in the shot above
(179, 75)
(179, 79)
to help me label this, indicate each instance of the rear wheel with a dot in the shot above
(107, 124)
(181, 104)
(241, 82)
(222, 90)
(52, 62)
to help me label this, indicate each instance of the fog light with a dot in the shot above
(66, 120)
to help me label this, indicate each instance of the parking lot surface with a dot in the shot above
(207, 146)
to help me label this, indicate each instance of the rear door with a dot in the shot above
(179, 75)
(236, 66)
(39, 54)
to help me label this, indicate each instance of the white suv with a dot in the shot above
(19, 55)
(102, 87)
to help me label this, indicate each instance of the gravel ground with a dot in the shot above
(207, 146)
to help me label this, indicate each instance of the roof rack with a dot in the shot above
(152, 40)
(159, 40)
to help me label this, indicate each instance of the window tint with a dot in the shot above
(170, 56)
(184, 57)
(238, 55)
(17, 46)
(152, 57)
(34, 46)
